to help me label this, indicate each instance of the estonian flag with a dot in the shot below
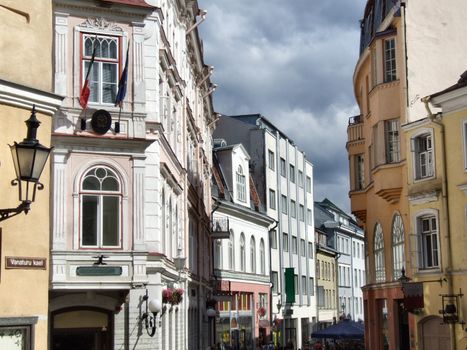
(122, 83)
(85, 91)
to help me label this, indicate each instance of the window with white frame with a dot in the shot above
(308, 184)
(310, 250)
(242, 252)
(303, 285)
(398, 256)
(283, 168)
(262, 256)
(301, 212)
(100, 198)
(231, 251)
(292, 173)
(309, 216)
(389, 60)
(218, 251)
(284, 204)
(272, 199)
(293, 208)
(300, 178)
(252, 255)
(241, 185)
(311, 286)
(271, 160)
(423, 156)
(428, 235)
(274, 281)
(285, 242)
(273, 239)
(103, 77)
(294, 245)
(302, 247)
(380, 269)
(391, 128)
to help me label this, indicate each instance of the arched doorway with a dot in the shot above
(434, 334)
(82, 328)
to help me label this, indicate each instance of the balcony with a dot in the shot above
(220, 228)
(388, 182)
(358, 204)
(355, 131)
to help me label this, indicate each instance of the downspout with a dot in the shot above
(435, 119)
(404, 40)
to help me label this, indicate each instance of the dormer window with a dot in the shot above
(241, 185)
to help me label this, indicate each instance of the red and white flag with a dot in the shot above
(85, 91)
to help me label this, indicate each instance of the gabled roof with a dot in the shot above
(462, 82)
(327, 204)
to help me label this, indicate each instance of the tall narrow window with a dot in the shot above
(242, 252)
(392, 141)
(262, 257)
(429, 241)
(241, 185)
(379, 254)
(285, 242)
(272, 199)
(252, 255)
(218, 250)
(273, 239)
(292, 173)
(284, 204)
(308, 184)
(293, 208)
(100, 209)
(231, 251)
(103, 77)
(423, 148)
(300, 178)
(397, 246)
(389, 60)
(283, 168)
(271, 160)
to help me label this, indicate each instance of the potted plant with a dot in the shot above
(261, 311)
(167, 295)
(177, 296)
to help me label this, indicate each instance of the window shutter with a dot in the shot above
(415, 252)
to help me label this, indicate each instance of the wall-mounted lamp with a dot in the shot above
(450, 304)
(202, 13)
(29, 158)
(153, 307)
(212, 88)
(279, 306)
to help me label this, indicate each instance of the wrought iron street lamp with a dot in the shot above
(29, 158)
(153, 307)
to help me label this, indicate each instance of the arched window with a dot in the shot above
(241, 185)
(242, 252)
(253, 254)
(262, 257)
(379, 254)
(218, 251)
(231, 251)
(100, 198)
(397, 246)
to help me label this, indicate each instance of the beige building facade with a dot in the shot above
(25, 80)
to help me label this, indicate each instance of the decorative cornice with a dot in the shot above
(24, 97)
(100, 23)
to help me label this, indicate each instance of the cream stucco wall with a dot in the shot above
(27, 49)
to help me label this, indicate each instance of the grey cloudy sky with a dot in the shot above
(291, 61)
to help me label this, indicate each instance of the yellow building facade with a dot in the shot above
(437, 189)
(25, 80)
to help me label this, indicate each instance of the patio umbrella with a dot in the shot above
(345, 329)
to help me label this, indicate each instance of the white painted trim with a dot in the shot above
(24, 97)
(419, 133)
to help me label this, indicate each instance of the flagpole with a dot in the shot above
(117, 124)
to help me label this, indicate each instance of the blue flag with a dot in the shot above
(122, 83)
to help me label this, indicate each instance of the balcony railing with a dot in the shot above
(355, 129)
(220, 228)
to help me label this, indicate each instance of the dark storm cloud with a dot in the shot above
(291, 61)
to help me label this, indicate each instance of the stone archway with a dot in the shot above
(434, 335)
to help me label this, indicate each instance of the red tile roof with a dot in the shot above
(136, 3)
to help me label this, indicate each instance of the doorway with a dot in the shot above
(77, 329)
(404, 334)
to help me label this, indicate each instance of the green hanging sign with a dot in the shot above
(289, 285)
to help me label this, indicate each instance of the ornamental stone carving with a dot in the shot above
(101, 23)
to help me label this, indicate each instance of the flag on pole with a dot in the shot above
(122, 82)
(85, 91)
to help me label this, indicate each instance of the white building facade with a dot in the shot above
(131, 205)
(283, 177)
(241, 259)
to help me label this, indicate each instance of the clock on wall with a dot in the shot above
(101, 121)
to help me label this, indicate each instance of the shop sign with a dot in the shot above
(17, 262)
(99, 270)
(413, 296)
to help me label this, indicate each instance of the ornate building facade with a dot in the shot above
(131, 194)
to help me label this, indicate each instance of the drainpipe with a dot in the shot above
(270, 294)
(447, 222)
(201, 13)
